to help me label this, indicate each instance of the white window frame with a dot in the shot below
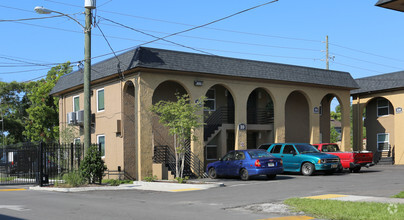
(98, 90)
(98, 142)
(388, 107)
(211, 146)
(379, 142)
(74, 97)
(214, 100)
(75, 139)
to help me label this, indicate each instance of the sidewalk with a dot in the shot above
(353, 198)
(139, 185)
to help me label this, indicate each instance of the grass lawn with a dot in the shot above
(400, 195)
(332, 209)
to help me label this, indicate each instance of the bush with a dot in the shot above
(150, 178)
(115, 182)
(93, 167)
(74, 179)
(182, 180)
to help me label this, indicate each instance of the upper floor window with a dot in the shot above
(382, 107)
(76, 103)
(210, 102)
(100, 100)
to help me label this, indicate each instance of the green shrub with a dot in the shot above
(150, 178)
(73, 179)
(116, 182)
(93, 167)
(182, 180)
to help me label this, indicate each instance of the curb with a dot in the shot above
(138, 185)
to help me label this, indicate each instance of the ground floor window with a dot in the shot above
(101, 140)
(211, 152)
(383, 142)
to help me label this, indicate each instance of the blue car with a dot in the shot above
(304, 158)
(246, 163)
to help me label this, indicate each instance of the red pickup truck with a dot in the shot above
(352, 160)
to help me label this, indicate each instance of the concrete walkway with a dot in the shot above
(140, 185)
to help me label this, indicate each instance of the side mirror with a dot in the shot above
(294, 153)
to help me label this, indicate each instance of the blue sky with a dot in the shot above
(365, 40)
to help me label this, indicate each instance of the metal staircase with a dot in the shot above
(193, 167)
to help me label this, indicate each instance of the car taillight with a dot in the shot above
(257, 163)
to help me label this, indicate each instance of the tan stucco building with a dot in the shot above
(249, 102)
(378, 108)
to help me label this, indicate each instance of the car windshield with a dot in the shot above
(330, 148)
(259, 154)
(306, 148)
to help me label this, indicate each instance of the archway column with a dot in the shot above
(240, 119)
(198, 146)
(346, 124)
(358, 107)
(145, 134)
(279, 115)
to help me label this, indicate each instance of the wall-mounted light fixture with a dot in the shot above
(198, 83)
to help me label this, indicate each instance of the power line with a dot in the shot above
(157, 38)
(358, 67)
(19, 9)
(30, 19)
(23, 71)
(353, 58)
(360, 51)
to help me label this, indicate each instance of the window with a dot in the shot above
(383, 142)
(101, 140)
(240, 155)
(100, 100)
(76, 103)
(77, 141)
(229, 156)
(382, 107)
(211, 152)
(289, 149)
(210, 102)
(276, 149)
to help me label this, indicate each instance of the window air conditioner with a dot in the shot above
(71, 118)
(80, 117)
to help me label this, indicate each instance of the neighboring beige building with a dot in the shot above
(250, 103)
(378, 108)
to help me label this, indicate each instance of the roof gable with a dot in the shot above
(380, 82)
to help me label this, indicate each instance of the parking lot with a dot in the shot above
(236, 200)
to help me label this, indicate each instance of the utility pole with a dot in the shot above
(89, 5)
(327, 58)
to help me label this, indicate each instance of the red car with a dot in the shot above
(353, 161)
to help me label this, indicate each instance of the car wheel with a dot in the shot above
(355, 170)
(212, 173)
(271, 176)
(307, 169)
(244, 175)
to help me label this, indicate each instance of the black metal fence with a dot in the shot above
(38, 163)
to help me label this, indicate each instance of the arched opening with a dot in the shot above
(129, 132)
(378, 129)
(219, 136)
(166, 91)
(330, 120)
(297, 128)
(260, 118)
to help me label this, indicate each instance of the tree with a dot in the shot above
(13, 105)
(334, 135)
(181, 118)
(43, 119)
(93, 167)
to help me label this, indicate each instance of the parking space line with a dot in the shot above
(8, 190)
(326, 196)
(290, 218)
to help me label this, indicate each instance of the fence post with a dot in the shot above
(40, 163)
(71, 158)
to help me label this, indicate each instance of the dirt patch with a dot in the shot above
(275, 208)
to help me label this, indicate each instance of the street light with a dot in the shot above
(89, 6)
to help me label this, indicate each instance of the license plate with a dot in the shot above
(334, 165)
(271, 164)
